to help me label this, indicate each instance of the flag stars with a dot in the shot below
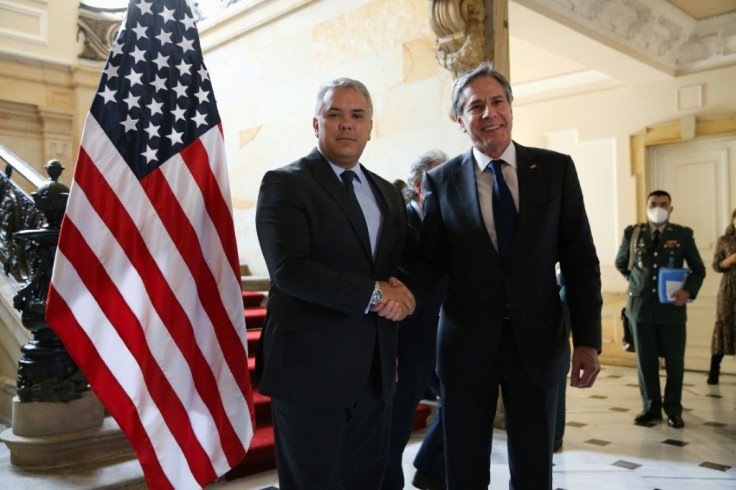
(186, 44)
(131, 100)
(184, 67)
(108, 94)
(200, 119)
(161, 61)
(202, 95)
(117, 49)
(188, 22)
(144, 7)
(204, 74)
(138, 54)
(129, 123)
(178, 113)
(134, 77)
(111, 71)
(140, 31)
(155, 107)
(152, 130)
(181, 90)
(175, 137)
(164, 37)
(159, 83)
(167, 15)
(149, 154)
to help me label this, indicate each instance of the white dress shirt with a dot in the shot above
(484, 181)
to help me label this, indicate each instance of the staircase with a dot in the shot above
(261, 455)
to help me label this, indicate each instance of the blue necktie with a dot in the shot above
(347, 179)
(504, 211)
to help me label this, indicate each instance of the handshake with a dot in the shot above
(397, 301)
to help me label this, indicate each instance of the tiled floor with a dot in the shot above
(604, 450)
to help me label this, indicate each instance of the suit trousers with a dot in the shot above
(331, 449)
(530, 419)
(430, 458)
(414, 376)
(667, 341)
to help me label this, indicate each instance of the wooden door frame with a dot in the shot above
(687, 128)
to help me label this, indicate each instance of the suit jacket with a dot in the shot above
(552, 226)
(418, 333)
(676, 245)
(318, 344)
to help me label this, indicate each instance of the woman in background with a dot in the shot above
(724, 332)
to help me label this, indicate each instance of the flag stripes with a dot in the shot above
(123, 236)
(108, 389)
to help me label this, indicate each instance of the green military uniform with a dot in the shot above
(659, 329)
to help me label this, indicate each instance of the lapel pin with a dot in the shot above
(532, 166)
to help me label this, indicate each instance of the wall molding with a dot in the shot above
(676, 131)
(41, 16)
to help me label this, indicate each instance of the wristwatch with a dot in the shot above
(377, 295)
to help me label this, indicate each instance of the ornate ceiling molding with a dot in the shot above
(654, 30)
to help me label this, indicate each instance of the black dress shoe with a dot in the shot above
(675, 421)
(426, 482)
(557, 445)
(645, 418)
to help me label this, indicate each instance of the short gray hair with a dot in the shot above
(419, 168)
(343, 83)
(485, 69)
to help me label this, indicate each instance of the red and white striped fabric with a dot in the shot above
(145, 291)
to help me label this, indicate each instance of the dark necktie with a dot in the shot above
(347, 179)
(504, 211)
(655, 239)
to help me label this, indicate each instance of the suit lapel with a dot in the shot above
(384, 203)
(326, 177)
(465, 194)
(528, 177)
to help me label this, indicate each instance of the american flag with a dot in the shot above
(145, 291)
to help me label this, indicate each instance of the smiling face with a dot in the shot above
(343, 126)
(486, 116)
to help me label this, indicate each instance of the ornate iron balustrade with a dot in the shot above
(17, 212)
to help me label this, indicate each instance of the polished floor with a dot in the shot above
(604, 450)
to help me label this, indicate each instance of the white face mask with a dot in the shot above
(657, 215)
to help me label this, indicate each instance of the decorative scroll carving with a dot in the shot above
(99, 28)
(460, 31)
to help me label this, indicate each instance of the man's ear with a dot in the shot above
(315, 125)
(460, 121)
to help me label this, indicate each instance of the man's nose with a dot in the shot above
(345, 124)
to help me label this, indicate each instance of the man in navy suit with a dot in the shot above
(496, 229)
(416, 363)
(332, 234)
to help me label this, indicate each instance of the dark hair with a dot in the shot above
(485, 69)
(660, 193)
(344, 83)
(419, 168)
(731, 229)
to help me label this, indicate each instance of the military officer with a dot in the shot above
(659, 328)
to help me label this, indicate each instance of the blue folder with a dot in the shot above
(671, 280)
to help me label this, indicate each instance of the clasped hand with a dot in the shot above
(397, 301)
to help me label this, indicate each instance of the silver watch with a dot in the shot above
(377, 295)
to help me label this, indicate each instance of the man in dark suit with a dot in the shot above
(332, 233)
(497, 229)
(416, 363)
(659, 328)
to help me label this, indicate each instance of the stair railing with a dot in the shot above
(29, 233)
